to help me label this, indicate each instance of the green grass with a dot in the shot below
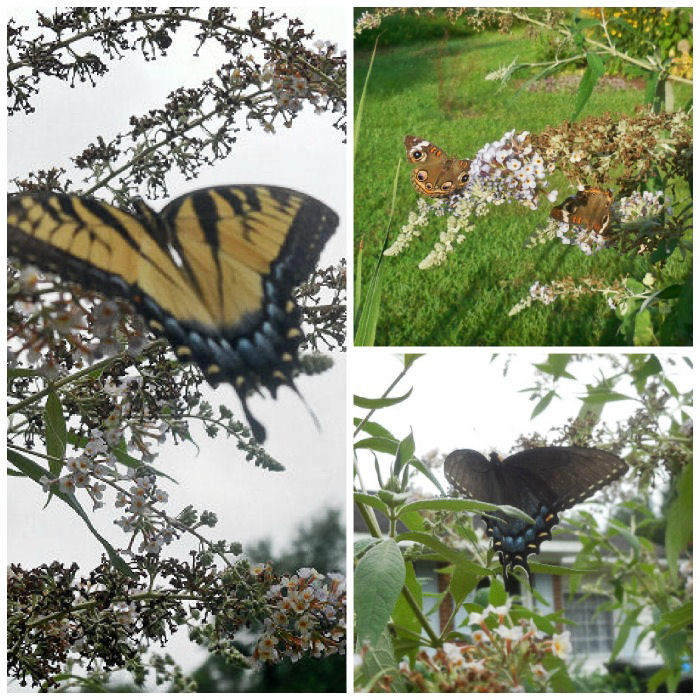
(435, 90)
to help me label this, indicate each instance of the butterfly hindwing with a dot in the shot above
(589, 208)
(214, 272)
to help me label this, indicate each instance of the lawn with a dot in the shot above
(436, 90)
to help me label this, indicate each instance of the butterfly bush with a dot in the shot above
(508, 170)
(59, 619)
(502, 655)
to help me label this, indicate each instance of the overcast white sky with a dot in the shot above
(310, 157)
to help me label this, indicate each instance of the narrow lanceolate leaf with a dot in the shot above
(55, 433)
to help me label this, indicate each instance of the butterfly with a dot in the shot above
(541, 482)
(214, 271)
(436, 174)
(589, 208)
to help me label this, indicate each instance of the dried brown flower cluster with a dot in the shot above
(620, 150)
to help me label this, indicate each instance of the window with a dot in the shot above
(593, 631)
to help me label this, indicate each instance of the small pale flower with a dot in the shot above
(512, 633)
(540, 672)
(561, 644)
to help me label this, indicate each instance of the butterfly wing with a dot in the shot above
(214, 272)
(562, 476)
(589, 208)
(541, 482)
(92, 243)
(436, 174)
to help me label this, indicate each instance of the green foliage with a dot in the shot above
(623, 680)
(637, 31)
(410, 28)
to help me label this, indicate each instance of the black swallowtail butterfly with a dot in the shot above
(541, 482)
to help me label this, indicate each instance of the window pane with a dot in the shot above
(592, 633)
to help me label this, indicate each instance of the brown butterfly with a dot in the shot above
(437, 174)
(589, 208)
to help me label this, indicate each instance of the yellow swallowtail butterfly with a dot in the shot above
(213, 272)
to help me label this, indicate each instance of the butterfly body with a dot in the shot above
(436, 174)
(213, 272)
(541, 482)
(589, 208)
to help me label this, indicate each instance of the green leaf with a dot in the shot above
(680, 618)
(378, 444)
(413, 521)
(539, 567)
(374, 429)
(55, 433)
(357, 291)
(543, 403)
(404, 453)
(585, 90)
(379, 662)
(623, 632)
(597, 395)
(35, 473)
(379, 578)
(372, 501)
(644, 329)
(462, 583)
(427, 473)
(409, 358)
(556, 366)
(679, 523)
(595, 63)
(454, 505)
(497, 592)
(363, 402)
(366, 323)
(445, 552)
(403, 614)
(359, 547)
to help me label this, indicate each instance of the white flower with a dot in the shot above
(561, 644)
(513, 633)
(476, 618)
(539, 671)
(453, 653)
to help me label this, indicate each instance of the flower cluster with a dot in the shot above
(618, 294)
(57, 619)
(308, 616)
(549, 293)
(54, 332)
(508, 170)
(290, 87)
(503, 656)
(626, 150)
(641, 208)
